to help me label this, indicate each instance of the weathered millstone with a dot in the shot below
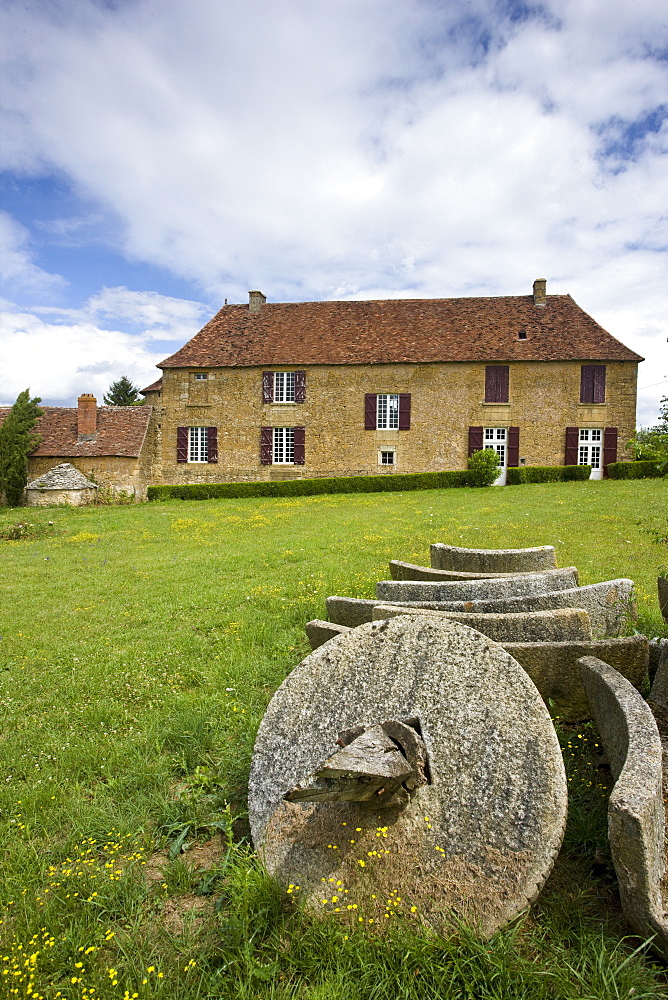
(553, 667)
(472, 590)
(410, 571)
(478, 841)
(319, 631)
(636, 817)
(493, 560)
(662, 588)
(659, 691)
(610, 606)
(534, 626)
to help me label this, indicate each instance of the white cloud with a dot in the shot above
(359, 148)
(60, 361)
(63, 352)
(16, 259)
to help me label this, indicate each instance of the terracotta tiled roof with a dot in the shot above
(154, 387)
(121, 430)
(401, 330)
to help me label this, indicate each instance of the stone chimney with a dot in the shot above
(540, 291)
(255, 301)
(87, 416)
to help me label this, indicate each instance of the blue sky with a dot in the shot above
(159, 156)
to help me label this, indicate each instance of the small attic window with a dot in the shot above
(522, 335)
(201, 376)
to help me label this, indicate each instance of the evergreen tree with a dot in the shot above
(122, 393)
(17, 440)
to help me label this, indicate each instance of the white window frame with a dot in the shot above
(283, 446)
(284, 387)
(590, 450)
(387, 411)
(198, 444)
(387, 451)
(496, 439)
(200, 376)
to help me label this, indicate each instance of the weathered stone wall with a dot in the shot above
(446, 399)
(73, 498)
(116, 472)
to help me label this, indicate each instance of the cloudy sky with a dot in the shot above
(159, 156)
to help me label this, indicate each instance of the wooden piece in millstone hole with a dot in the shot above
(370, 768)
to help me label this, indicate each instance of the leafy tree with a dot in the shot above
(122, 393)
(17, 440)
(482, 467)
(650, 444)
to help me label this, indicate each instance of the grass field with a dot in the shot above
(140, 646)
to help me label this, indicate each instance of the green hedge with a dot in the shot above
(309, 487)
(547, 474)
(634, 470)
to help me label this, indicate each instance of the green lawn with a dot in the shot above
(140, 646)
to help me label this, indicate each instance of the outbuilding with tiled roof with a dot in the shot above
(115, 446)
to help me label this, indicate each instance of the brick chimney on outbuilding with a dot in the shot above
(540, 291)
(255, 301)
(87, 416)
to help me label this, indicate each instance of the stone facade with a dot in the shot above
(446, 399)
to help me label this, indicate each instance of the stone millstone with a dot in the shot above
(477, 842)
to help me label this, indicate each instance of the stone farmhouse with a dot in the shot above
(114, 446)
(274, 391)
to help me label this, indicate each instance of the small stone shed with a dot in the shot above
(62, 484)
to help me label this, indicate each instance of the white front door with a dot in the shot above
(590, 450)
(496, 439)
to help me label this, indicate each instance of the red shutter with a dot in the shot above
(571, 453)
(370, 403)
(609, 448)
(513, 447)
(404, 411)
(266, 445)
(475, 439)
(587, 384)
(496, 384)
(300, 387)
(300, 442)
(598, 389)
(267, 387)
(212, 444)
(181, 444)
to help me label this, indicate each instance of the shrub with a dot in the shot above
(547, 474)
(634, 470)
(309, 487)
(482, 468)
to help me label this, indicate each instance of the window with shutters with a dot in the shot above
(592, 384)
(282, 445)
(496, 384)
(386, 411)
(198, 444)
(283, 387)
